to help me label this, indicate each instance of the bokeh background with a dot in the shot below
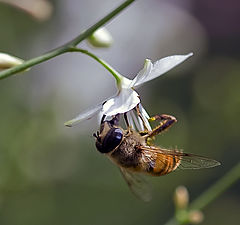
(50, 174)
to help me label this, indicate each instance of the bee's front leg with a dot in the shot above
(166, 121)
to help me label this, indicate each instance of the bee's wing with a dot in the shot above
(137, 184)
(183, 160)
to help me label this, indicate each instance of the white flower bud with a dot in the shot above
(181, 197)
(8, 61)
(195, 216)
(101, 38)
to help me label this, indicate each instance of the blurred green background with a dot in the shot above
(50, 174)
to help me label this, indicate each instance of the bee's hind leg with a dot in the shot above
(166, 121)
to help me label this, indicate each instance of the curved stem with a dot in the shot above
(66, 47)
(213, 192)
(101, 22)
(116, 75)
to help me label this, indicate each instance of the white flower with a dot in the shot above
(127, 98)
(8, 61)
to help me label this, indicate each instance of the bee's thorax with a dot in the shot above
(126, 154)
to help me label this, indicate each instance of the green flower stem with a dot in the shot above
(66, 47)
(217, 189)
(116, 75)
(213, 192)
(29, 63)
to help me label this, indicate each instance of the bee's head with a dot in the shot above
(108, 138)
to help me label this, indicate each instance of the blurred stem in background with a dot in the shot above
(66, 47)
(208, 196)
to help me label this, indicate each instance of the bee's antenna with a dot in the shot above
(96, 135)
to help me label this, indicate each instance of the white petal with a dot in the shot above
(137, 121)
(126, 100)
(143, 112)
(143, 73)
(130, 120)
(85, 115)
(160, 67)
(145, 116)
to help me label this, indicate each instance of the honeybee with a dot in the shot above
(134, 154)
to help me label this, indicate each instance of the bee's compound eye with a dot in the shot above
(117, 134)
(112, 139)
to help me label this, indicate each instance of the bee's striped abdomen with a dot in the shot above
(165, 164)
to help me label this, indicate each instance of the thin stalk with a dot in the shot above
(101, 22)
(31, 62)
(66, 47)
(217, 189)
(116, 75)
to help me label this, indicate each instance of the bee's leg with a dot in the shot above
(166, 121)
(126, 120)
